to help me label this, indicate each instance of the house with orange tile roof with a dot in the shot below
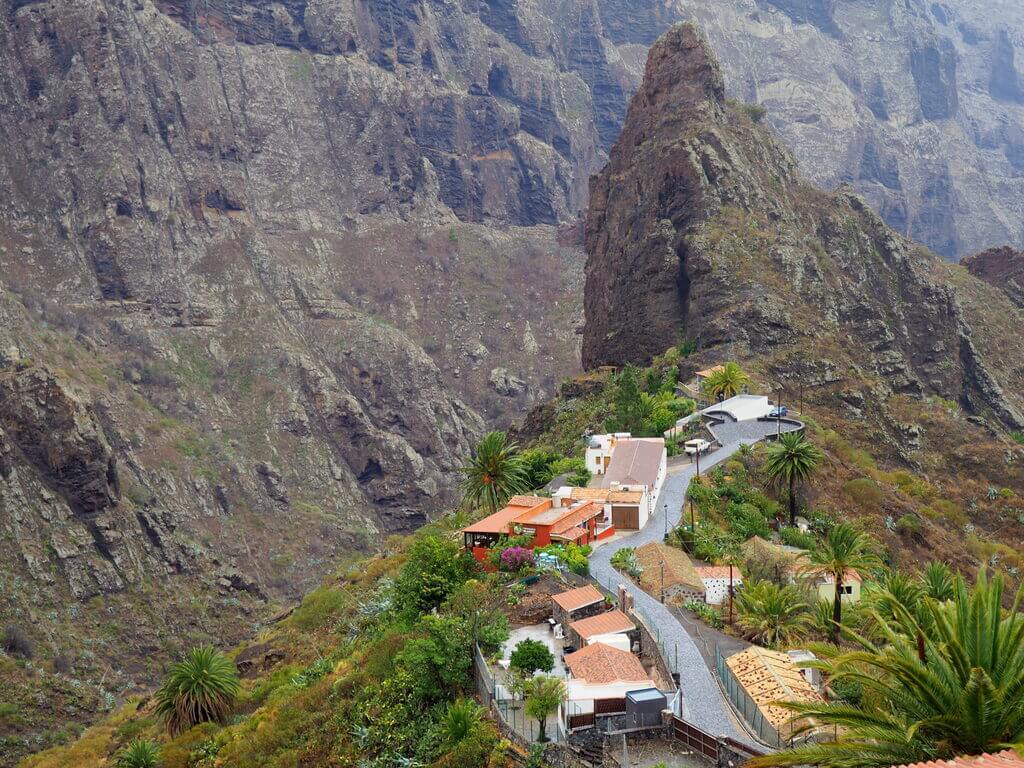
(600, 676)
(1005, 759)
(537, 517)
(577, 604)
(592, 629)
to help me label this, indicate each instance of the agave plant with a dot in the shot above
(139, 753)
(953, 687)
(201, 688)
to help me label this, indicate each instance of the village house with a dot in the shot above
(625, 463)
(669, 572)
(612, 627)
(600, 678)
(825, 585)
(616, 503)
(538, 518)
(716, 580)
(577, 604)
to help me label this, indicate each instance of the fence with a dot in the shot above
(509, 709)
(723, 750)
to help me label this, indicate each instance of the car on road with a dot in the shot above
(778, 412)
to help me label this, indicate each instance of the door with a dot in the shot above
(626, 518)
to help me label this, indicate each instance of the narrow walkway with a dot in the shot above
(704, 703)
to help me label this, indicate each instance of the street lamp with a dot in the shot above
(666, 521)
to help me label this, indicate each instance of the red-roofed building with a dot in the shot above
(534, 516)
(577, 604)
(1005, 759)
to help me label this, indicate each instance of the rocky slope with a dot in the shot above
(1002, 268)
(701, 228)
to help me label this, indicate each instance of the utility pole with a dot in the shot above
(778, 416)
(666, 521)
(663, 580)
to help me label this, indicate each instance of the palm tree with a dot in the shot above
(953, 688)
(726, 382)
(460, 720)
(495, 473)
(772, 615)
(139, 753)
(201, 688)
(937, 581)
(844, 549)
(792, 459)
(543, 694)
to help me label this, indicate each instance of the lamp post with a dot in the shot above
(666, 522)
(663, 581)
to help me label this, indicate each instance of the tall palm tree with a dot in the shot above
(954, 688)
(494, 474)
(726, 382)
(792, 459)
(844, 549)
(772, 615)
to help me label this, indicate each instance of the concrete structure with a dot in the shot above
(715, 579)
(582, 632)
(742, 407)
(629, 464)
(669, 571)
(537, 517)
(576, 604)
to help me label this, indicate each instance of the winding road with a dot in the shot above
(703, 701)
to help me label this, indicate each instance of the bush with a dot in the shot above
(865, 492)
(705, 613)
(794, 537)
(530, 656)
(571, 556)
(1017, 436)
(435, 568)
(746, 520)
(625, 560)
(17, 642)
(908, 524)
(755, 112)
(515, 559)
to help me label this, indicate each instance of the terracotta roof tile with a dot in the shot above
(578, 598)
(679, 568)
(608, 623)
(1005, 759)
(769, 676)
(600, 663)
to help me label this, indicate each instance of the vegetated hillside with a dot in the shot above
(701, 229)
(363, 671)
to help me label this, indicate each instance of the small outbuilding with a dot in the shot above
(644, 707)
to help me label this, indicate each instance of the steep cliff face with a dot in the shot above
(917, 104)
(700, 227)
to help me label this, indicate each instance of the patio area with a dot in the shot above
(541, 632)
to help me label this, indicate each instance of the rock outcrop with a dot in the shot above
(700, 227)
(1002, 268)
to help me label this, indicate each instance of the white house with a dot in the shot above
(599, 451)
(716, 582)
(600, 673)
(632, 471)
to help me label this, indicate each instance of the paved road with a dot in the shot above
(704, 703)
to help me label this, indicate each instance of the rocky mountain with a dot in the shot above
(701, 226)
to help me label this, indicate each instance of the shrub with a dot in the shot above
(755, 112)
(794, 537)
(140, 753)
(865, 492)
(746, 520)
(319, 609)
(435, 568)
(908, 524)
(1017, 436)
(705, 613)
(529, 656)
(17, 642)
(516, 558)
(201, 688)
(625, 560)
